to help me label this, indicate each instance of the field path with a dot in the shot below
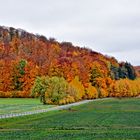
(45, 110)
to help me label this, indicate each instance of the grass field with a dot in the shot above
(106, 119)
(18, 105)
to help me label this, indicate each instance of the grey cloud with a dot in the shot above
(108, 26)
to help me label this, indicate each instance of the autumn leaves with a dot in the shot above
(59, 73)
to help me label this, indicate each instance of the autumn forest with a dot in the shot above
(59, 73)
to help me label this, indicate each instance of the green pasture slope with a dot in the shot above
(107, 119)
(19, 105)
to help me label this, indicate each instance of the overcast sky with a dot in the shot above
(111, 27)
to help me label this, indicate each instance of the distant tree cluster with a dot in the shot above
(125, 70)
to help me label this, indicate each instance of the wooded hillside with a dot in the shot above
(35, 64)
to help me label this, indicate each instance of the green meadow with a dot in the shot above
(19, 105)
(109, 119)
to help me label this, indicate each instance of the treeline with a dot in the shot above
(32, 65)
(56, 90)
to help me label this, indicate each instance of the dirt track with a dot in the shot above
(43, 110)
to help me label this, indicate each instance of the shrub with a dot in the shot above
(51, 90)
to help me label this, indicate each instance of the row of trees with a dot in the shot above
(56, 90)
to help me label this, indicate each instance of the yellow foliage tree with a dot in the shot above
(91, 92)
(125, 88)
(103, 93)
(77, 85)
